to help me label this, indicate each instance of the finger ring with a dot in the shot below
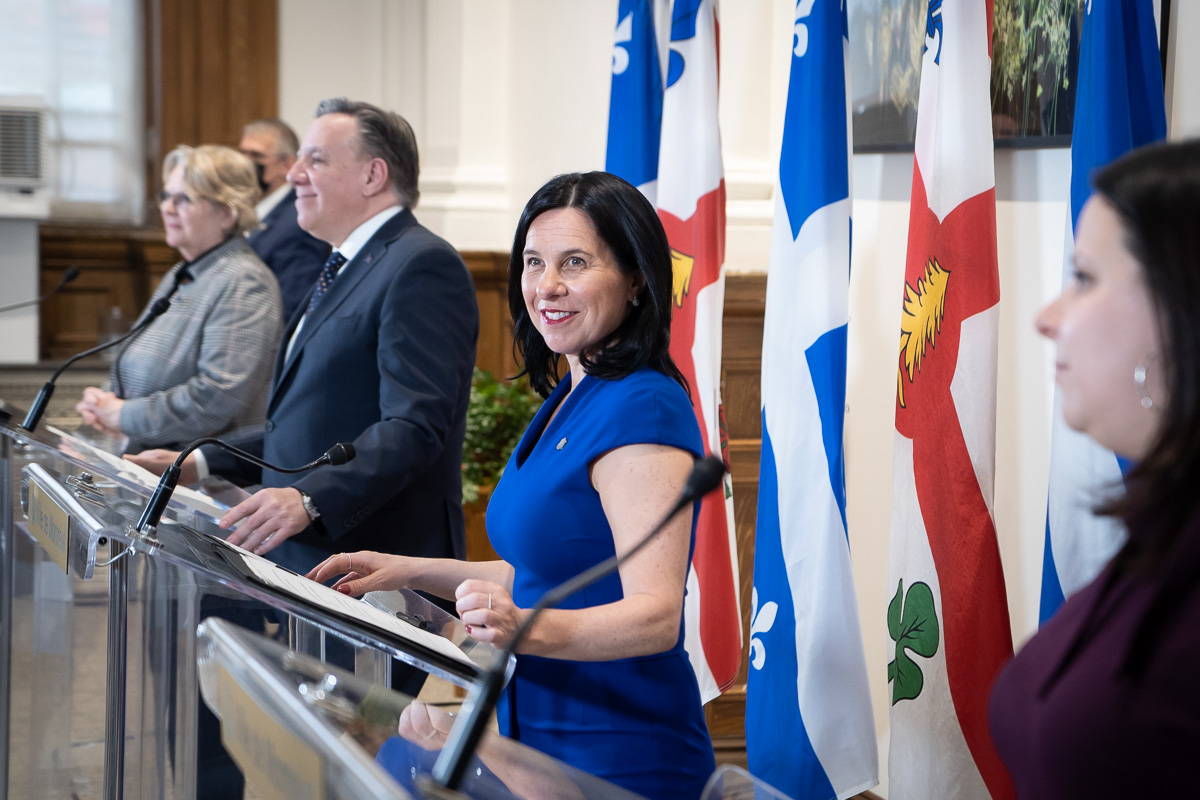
(350, 558)
(489, 601)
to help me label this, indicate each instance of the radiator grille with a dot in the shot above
(21, 147)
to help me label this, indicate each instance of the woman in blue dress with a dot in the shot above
(603, 682)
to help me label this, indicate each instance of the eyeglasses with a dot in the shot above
(180, 201)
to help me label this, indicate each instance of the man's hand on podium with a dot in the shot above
(268, 518)
(157, 461)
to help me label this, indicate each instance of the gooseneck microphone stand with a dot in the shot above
(338, 454)
(43, 396)
(69, 275)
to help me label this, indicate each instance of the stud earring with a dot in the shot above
(1139, 378)
(636, 302)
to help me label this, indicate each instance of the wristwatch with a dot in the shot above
(310, 507)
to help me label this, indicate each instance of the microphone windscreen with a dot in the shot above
(160, 306)
(340, 453)
(706, 476)
(71, 274)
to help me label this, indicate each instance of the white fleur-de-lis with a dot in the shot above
(620, 59)
(800, 30)
(761, 620)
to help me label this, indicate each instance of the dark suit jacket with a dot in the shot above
(294, 255)
(385, 362)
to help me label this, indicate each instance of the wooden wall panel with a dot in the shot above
(213, 69)
(216, 62)
(119, 267)
(490, 273)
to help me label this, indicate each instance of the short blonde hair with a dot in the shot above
(221, 175)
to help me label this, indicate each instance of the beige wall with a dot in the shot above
(504, 93)
(1183, 71)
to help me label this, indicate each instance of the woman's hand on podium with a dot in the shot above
(364, 571)
(488, 611)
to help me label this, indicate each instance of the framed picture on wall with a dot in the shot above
(1035, 55)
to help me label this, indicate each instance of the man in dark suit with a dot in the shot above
(293, 254)
(381, 356)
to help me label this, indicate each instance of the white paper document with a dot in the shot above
(132, 472)
(298, 586)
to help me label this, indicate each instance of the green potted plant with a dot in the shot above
(498, 413)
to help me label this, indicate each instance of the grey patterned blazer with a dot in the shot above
(203, 367)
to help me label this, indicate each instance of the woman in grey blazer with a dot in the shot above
(203, 367)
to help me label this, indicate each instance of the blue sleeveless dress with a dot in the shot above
(636, 722)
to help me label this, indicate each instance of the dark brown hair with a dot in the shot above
(629, 225)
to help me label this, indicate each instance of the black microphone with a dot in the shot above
(43, 397)
(69, 275)
(340, 453)
(451, 763)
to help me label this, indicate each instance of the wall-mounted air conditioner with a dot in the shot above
(24, 161)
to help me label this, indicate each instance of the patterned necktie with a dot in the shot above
(325, 279)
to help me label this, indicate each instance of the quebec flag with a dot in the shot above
(809, 726)
(1119, 105)
(636, 97)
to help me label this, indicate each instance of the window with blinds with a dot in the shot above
(81, 60)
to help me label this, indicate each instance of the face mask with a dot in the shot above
(258, 173)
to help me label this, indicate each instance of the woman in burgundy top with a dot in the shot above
(1105, 700)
